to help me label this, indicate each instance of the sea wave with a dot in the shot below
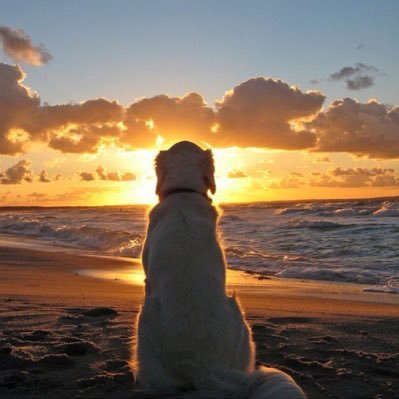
(231, 219)
(120, 243)
(342, 209)
(314, 224)
(385, 289)
(339, 274)
(388, 209)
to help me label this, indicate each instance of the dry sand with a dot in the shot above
(64, 334)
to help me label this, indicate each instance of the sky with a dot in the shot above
(297, 99)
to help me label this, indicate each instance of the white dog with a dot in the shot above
(191, 336)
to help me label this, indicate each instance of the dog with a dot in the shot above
(192, 338)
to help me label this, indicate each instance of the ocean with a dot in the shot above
(342, 241)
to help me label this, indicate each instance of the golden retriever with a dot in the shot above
(192, 336)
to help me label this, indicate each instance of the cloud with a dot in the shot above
(362, 171)
(81, 128)
(18, 46)
(128, 176)
(174, 118)
(43, 177)
(323, 159)
(85, 176)
(73, 128)
(17, 173)
(356, 77)
(260, 112)
(114, 176)
(5, 196)
(102, 174)
(356, 177)
(364, 129)
(18, 105)
(385, 181)
(38, 196)
(236, 174)
(293, 180)
(75, 194)
(360, 82)
(22, 172)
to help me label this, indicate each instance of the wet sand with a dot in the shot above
(67, 334)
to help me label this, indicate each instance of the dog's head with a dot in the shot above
(185, 166)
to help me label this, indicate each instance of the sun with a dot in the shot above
(142, 192)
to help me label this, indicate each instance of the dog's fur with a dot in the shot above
(191, 336)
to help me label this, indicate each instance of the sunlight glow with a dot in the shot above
(215, 128)
(150, 124)
(17, 135)
(159, 141)
(121, 126)
(135, 276)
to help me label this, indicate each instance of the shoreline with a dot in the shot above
(125, 276)
(243, 280)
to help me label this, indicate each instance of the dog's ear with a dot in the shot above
(160, 169)
(209, 169)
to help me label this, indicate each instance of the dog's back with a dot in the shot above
(198, 326)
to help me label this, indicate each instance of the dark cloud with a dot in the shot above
(236, 174)
(85, 176)
(365, 129)
(349, 71)
(18, 173)
(360, 82)
(18, 46)
(259, 112)
(356, 77)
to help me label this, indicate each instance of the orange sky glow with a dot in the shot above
(272, 141)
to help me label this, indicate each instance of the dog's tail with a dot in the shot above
(264, 383)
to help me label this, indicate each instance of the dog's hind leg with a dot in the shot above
(150, 371)
(242, 349)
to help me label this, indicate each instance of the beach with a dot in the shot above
(65, 333)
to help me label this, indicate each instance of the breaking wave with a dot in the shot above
(111, 242)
